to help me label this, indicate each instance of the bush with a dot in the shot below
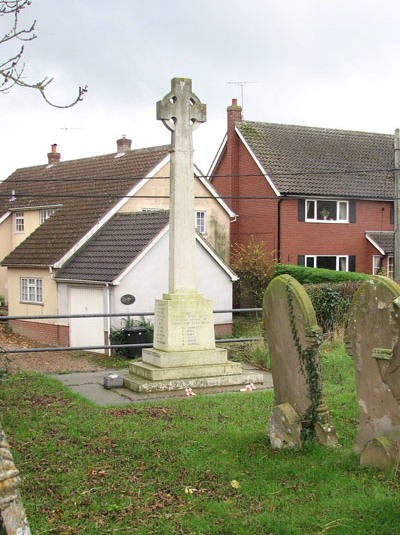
(306, 275)
(254, 264)
(331, 303)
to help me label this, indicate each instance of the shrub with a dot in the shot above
(254, 264)
(306, 275)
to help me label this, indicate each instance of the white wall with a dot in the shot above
(148, 280)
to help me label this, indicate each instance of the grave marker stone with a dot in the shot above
(372, 339)
(12, 514)
(293, 339)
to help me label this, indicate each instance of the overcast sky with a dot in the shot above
(328, 63)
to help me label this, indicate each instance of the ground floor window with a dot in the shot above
(390, 267)
(376, 265)
(31, 290)
(337, 263)
(382, 267)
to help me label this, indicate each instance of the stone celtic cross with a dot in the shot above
(181, 112)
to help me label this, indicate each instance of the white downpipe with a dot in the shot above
(109, 318)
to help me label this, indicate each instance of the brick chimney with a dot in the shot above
(234, 113)
(124, 144)
(53, 156)
(232, 153)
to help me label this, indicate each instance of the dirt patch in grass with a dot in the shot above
(46, 361)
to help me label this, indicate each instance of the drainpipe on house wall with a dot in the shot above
(109, 317)
(278, 252)
(396, 206)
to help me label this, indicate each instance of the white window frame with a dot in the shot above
(339, 259)
(45, 214)
(31, 290)
(200, 221)
(317, 211)
(19, 222)
(376, 264)
(390, 266)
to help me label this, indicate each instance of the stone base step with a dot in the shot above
(154, 373)
(174, 359)
(139, 384)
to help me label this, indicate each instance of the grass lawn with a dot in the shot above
(199, 465)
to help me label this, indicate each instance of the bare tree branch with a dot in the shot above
(12, 69)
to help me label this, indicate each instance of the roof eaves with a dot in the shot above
(258, 163)
(4, 216)
(376, 245)
(214, 193)
(81, 281)
(218, 156)
(26, 265)
(216, 257)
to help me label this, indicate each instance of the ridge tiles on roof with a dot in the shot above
(303, 160)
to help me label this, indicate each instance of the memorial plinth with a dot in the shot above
(184, 353)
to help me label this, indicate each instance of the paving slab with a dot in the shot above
(90, 385)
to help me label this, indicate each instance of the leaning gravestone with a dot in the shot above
(293, 339)
(12, 514)
(373, 340)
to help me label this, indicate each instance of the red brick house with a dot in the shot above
(317, 197)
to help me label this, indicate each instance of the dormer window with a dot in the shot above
(45, 214)
(327, 210)
(19, 222)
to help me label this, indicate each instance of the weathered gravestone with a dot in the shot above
(293, 339)
(12, 514)
(373, 340)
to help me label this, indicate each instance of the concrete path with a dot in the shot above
(90, 386)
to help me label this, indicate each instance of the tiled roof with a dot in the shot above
(303, 160)
(383, 239)
(114, 246)
(86, 189)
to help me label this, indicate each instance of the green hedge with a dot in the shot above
(306, 275)
(331, 292)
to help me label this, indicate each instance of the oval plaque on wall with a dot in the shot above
(128, 299)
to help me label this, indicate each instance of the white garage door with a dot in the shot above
(86, 331)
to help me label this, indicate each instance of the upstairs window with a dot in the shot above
(337, 263)
(45, 214)
(200, 221)
(325, 210)
(31, 290)
(19, 222)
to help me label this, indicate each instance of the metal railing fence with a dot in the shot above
(4, 319)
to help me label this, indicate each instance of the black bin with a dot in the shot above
(135, 335)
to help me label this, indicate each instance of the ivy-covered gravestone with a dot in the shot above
(293, 339)
(373, 340)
